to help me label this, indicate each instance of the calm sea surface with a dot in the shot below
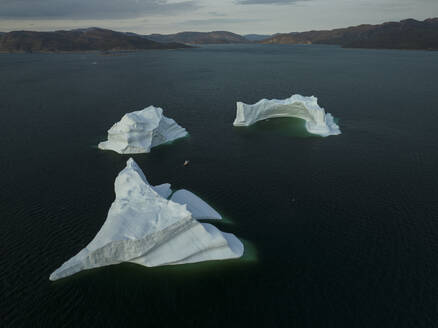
(340, 231)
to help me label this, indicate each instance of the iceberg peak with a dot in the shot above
(139, 131)
(317, 120)
(143, 226)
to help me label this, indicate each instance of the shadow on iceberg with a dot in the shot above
(143, 226)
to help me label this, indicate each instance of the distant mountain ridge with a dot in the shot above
(215, 37)
(257, 37)
(406, 34)
(91, 39)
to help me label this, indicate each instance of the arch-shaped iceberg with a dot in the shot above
(146, 228)
(317, 120)
(139, 131)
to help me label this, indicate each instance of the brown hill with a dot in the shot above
(77, 40)
(216, 37)
(406, 34)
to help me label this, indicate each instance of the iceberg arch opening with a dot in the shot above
(282, 126)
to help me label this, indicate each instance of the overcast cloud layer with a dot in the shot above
(90, 9)
(255, 2)
(240, 16)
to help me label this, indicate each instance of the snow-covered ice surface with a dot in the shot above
(317, 120)
(139, 131)
(144, 227)
(199, 209)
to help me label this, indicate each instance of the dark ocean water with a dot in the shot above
(344, 228)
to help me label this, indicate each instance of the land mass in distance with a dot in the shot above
(406, 34)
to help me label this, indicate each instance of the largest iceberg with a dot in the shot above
(307, 108)
(139, 131)
(146, 228)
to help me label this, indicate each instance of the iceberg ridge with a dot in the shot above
(139, 131)
(146, 228)
(317, 120)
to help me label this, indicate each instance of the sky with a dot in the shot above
(239, 16)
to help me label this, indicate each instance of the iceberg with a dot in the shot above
(143, 226)
(317, 120)
(139, 131)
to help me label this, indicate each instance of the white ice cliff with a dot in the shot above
(144, 227)
(139, 131)
(307, 108)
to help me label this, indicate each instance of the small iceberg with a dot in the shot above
(139, 131)
(317, 120)
(143, 226)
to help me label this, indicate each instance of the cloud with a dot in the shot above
(267, 2)
(91, 9)
(215, 21)
(240, 16)
(216, 14)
